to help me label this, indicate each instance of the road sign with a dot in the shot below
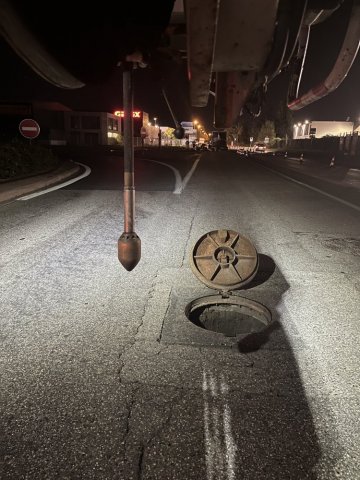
(29, 128)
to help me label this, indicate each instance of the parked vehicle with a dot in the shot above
(260, 147)
(218, 141)
(241, 150)
(202, 147)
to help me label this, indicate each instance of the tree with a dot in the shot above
(235, 133)
(267, 129)
(169, 133)
(284, 121)
(248, 126)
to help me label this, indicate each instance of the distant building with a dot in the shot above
(49, 115)
(59, 125)
(51, 118)
(92, 128)
(190, 131)
(319, 129)
(189, 128)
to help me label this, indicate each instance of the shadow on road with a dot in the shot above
(239, 409)
(196, 405)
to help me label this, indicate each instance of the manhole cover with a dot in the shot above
(224, 260)
(231, 316)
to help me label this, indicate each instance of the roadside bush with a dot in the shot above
(19, 159)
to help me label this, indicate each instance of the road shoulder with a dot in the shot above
(11, 191)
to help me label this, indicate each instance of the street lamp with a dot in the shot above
(155, 118)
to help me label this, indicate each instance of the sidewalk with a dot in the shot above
(11, 190)
(340, 175)
(337, 174)
(340, 182)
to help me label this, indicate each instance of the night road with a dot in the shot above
(104, 377)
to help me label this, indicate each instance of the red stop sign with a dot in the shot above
(29, 128)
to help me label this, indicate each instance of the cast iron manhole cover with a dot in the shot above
(224, 260)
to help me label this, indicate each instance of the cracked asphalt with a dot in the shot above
(103, 376)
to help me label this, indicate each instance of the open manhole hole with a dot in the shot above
(231, 316)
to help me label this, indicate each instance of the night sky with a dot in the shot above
(20, 84)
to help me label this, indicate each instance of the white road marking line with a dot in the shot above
(178, 180)
(180, 184)
(190, 172)
(333, 197)
(230, 446)
(220, 446)
(61, 185)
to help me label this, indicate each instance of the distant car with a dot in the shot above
(222, 146)
(241, 150)
(218, 140)
(260, 147)
(219, 144)
(202, 146)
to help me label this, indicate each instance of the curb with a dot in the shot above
(11, 191)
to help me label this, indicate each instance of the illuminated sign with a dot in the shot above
(120, 113)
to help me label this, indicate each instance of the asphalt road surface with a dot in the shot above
(104, 377)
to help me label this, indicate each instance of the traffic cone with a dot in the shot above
(285, 154)
(332, 163)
